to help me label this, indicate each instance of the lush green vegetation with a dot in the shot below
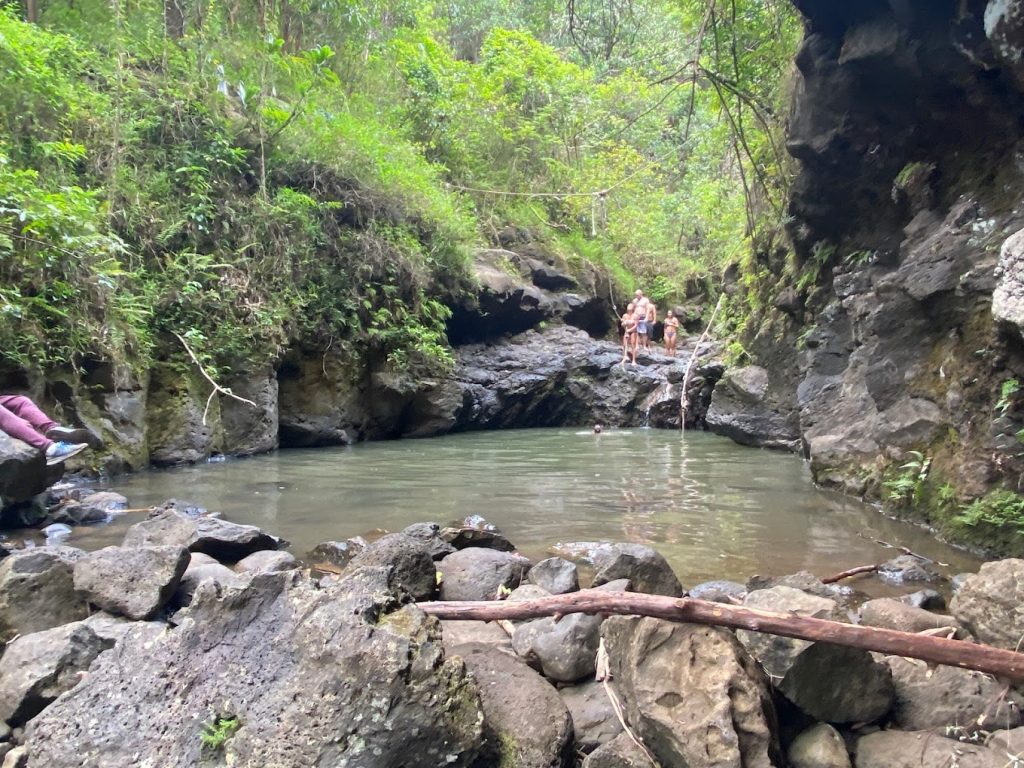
(253, 177)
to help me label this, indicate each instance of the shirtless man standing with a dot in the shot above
(652, 317)
(628, 321)
(671, 329)
(642, 327)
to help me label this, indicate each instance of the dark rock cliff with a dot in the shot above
(907, 125)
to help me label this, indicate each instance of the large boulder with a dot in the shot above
(947, 696)
(250, 427)
(991, 603)
(829, 682)
(430, 535)
(182, 426)
(563, 648)
(691, 693)
(337, 553)
(37, 668)
(227, 542)
(475, 531)
(37, 591)
(410, 561)
(1008, 297)
(360, 676)
(200, 572)
(525, 722)
(267, 561)
(23, 471)
(914, 749)
(99, 507)
(131, 581)
(555, 575)
(480, 574)
(645, 568)
(743, 410)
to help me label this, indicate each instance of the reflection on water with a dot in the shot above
(714, 509)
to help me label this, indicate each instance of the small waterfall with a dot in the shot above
(664, 391)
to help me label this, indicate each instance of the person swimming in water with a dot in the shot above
(671, 330)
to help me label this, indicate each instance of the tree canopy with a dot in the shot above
(252, 174)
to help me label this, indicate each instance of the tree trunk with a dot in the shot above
(955, 653)
(174, 19)
(32, 11)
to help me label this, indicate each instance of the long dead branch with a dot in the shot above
(216, 387)
(954, 653)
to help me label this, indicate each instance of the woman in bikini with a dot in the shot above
(628, 321)
(671, 328)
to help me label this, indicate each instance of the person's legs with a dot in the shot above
(21, 419)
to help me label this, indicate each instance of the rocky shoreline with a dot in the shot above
(200, 642)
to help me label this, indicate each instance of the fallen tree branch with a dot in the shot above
(954, 653)
(848, 573)
(216, 387)
(684, 398)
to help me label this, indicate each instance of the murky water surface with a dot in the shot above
(713, 508)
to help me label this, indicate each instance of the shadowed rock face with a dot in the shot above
(906, 125)
(360, 677)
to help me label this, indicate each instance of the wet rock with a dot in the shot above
(620, 752)
(819, 747)
(37, 591)
(828, 682)
(894, 614)
(37, 668)
(430, 534)
(474, 531)
(645, 568)
(928, 599)
(525, 722)
(903, 749)
(131, 581)
(741, 410)
(479, 574)
(907, 569)
(97, 507)
(318, 401)
(991, 603)
(692, 693)
(958, 581)
(594, 720)
(948, 696)
(301, 659)
(412, 567)
(267, 561)
(338, 553)
(555, 575)
(718, 591)
(227, 542)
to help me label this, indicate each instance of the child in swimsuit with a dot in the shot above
(671, 328)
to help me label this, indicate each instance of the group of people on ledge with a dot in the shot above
(638, 326)
(22, 419)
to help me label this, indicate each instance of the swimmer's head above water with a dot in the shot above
(597, 429)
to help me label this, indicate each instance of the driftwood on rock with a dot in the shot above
(956, 653)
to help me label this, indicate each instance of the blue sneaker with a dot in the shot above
(60, 451)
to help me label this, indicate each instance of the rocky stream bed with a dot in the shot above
(200, 642)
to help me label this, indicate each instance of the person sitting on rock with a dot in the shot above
(21, 419)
